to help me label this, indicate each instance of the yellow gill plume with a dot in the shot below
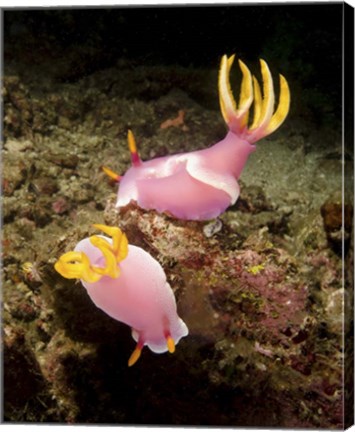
(265, 120)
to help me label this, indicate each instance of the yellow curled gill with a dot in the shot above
(76, 265)
(265, 120)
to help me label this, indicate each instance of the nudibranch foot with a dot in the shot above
(129, 285)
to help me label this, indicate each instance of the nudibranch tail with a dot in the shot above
(140, 344)
(76, 265)
(265, 120)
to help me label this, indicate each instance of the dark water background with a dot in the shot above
(304, 41)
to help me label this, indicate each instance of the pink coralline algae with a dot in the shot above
(60, 205)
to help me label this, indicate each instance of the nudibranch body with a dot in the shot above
(129, 285)
(200, 185)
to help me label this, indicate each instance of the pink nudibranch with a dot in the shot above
(200, 185)
(129, 285)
